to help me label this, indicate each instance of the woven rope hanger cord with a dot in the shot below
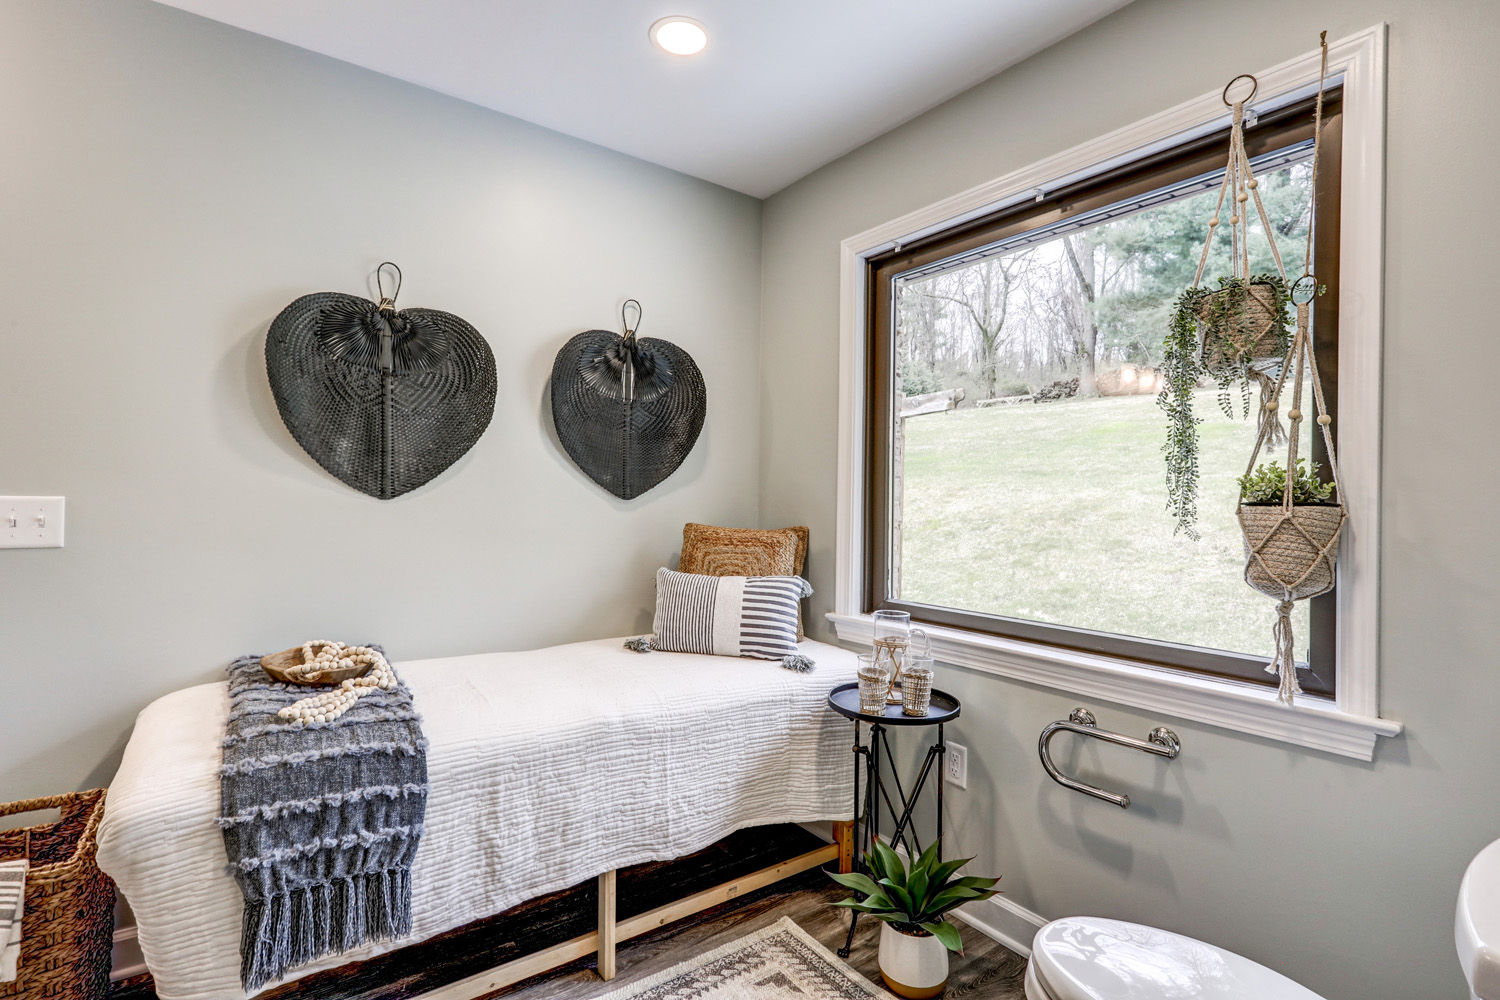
(1292, 549)
(1249, 334)
(627, 410)
(383, 399)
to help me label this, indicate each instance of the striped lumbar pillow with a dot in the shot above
(728, 616)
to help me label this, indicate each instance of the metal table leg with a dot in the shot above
(859, 848)
(867, 806)
(942, 755)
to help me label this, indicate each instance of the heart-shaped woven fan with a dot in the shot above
(627, 411)
(384, 399)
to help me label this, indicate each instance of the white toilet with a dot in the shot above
(1092, 958)
(1476, 927)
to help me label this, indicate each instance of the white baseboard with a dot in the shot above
(997, 918)
(1009, 923)
(126, 959)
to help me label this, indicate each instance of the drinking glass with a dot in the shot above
(892, 636)
(874, 683)
(916, 687)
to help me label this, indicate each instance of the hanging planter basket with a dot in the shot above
(1242, 323)
(1291, 553)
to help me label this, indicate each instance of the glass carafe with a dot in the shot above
(892, 636)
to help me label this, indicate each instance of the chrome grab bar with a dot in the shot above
(1162, 742)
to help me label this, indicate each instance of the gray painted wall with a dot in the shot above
(169, 184)
(1339, 873)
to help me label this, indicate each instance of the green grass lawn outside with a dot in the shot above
(1056, 512)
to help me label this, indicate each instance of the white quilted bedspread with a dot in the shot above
(547, 767)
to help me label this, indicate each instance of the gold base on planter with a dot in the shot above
(913, 992)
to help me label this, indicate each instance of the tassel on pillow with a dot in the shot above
(799, 663)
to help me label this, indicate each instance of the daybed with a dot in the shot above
(547, 768)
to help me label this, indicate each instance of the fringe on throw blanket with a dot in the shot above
(321, 821)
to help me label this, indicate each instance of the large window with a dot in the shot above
(1016, 482)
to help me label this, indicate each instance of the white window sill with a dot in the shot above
(1312, 722)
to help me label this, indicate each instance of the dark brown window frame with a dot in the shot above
(1275, 130)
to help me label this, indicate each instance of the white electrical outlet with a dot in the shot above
(31, 522)
(957, 767)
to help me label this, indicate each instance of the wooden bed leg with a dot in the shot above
(843, 838)
(607, 929)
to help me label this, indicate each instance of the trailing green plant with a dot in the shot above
(914, 901)
(1202, 313)
(1267, 484)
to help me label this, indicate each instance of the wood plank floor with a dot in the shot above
(986, 970)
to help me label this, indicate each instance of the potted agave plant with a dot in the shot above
(914, 937)
(1234, 334)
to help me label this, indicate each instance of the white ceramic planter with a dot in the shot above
(912, 965)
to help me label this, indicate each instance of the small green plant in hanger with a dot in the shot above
(1217, 334)
(1267, 485)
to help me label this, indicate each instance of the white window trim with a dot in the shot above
(1347, 725)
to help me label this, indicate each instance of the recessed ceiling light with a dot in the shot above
(681, 36)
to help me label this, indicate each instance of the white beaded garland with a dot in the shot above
(329, 705)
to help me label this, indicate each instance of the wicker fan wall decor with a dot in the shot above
(384, 399)
(627, 411)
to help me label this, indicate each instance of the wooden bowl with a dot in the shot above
(280, 666)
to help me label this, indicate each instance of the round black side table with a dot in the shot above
(875, 760)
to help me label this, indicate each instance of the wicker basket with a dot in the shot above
(1291, 556)
(68, 920)
(1248, 329)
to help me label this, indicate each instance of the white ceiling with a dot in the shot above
(784, 86)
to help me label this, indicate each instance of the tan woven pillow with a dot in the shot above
(713, 551)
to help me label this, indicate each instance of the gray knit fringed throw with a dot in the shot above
(321, 821)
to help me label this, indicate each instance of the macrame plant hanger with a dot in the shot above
(1240, 178)
(1291, 550)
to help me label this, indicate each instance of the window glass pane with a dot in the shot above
(1042, 496)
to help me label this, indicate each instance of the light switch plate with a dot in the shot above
(956, 769)
(31, 522)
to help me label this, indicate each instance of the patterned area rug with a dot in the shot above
(780, 962)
